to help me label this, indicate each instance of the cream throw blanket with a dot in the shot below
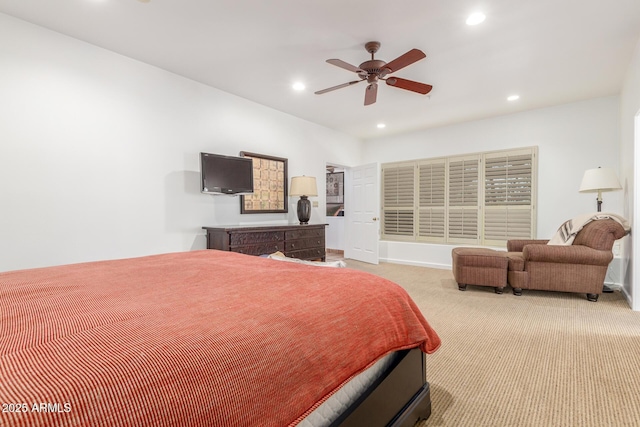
(281, 257)
(567, 231)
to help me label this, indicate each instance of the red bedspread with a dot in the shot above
(204, 338)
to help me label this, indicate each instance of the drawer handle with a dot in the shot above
(293, 245)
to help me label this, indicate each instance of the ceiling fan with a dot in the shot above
(375, 70)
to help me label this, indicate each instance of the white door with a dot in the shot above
(362, 206)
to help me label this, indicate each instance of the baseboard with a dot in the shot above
(417, 263)
(627, 296)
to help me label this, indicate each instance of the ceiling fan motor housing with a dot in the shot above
(373, 66)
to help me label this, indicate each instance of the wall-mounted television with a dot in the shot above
(225, 174)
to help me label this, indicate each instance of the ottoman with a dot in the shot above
(480, 266)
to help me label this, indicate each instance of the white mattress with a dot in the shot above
(333, 407)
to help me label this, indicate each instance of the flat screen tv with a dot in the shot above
(225, 174)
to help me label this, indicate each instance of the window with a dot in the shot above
(431, 199)
(484, 198)
(463, 198)
(398, 199)
(508, 196)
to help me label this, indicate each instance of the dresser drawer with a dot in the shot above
(294, 245)
(236, 239)
(261, 249)
(303, 234)
(314, 253)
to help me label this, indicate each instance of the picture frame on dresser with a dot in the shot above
(269, 185)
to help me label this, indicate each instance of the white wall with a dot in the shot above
(99, 153)
(570, 138)
(630, 172)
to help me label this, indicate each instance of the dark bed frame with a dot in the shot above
(399, 398)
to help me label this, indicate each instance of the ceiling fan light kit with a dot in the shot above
(375, 70)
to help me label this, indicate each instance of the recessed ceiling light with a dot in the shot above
(299, 86)
(513, 98)
(144, 1)
(476, 18)
(381, 126)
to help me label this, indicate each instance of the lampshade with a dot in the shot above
(303, 186)
(599, 179)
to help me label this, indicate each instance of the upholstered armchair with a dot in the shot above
(579, 267)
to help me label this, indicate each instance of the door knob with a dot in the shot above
(375, 218)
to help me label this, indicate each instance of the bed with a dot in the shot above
(208, 338)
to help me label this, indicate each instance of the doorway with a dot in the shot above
(335, 235)
(353, 203)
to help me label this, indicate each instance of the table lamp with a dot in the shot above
(303, 186)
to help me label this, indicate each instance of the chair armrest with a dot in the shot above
(577, 254)
(517, 245)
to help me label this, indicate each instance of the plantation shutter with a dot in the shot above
(431, 200)
(463, 199)
(398, 195)
(509, 183)
(482, 198)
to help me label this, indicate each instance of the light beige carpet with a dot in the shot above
(542, 359)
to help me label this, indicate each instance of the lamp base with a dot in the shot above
(304, 210)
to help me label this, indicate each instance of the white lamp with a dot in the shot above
(303, 186)
(599, 180)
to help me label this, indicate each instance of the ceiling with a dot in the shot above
(547, 51)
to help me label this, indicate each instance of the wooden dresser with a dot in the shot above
(295, 241)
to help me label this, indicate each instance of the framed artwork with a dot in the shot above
(335, 188)
(269, 185)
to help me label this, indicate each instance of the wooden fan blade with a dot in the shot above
(340, 63)
(371, 94)
(329, 89)
(407, 59)
(409, 85)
